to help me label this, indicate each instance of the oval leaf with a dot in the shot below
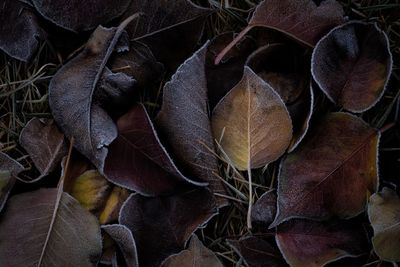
(264, 210)
(253, 122)
(331, 173)
(352, 65)
(384, 215)
(30, 237)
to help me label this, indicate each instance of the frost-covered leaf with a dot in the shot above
(264, 210)
(9, 169)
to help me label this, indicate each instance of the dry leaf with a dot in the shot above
(9, 169)
(264, 210)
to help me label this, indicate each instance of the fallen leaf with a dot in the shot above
(314, 244)
(38, 230)
(78, 16)
(74, 86)
(138, 161)
(264, 210)
(9, 169)
(184, 120)
(252, 123)
(196, 255)
(286, 68)
(19, 30)
(161, 226)
(113, 205)
(302, 20)
(124, 239)
(352, 65)
(384, 215)
(257, 252)
(45, 145)
(331, 173)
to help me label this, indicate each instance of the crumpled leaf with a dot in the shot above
(29, 236)
(384, 215)
(196, 255)
(171, 29)
(185, 122)
(314, 244)
(331, 173)
(79, 16)
(138, 161)
(302, 20)
(19, 30)
(264, 210)
(124, 239)
(257, 252)
(352, 65)
(161, 226)
(74, 86)
(286, 68)
(252, 123)
(44, 143)
(9, 169)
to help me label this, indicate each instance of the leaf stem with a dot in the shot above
(250, 198)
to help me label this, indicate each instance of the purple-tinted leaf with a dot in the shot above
(314, 244)
(79, 16)
(352, 65)
(9, 169)
(264, 210)
(138, 161)
(184, 120)
(161, 226)
(44, 143)
(19, 30)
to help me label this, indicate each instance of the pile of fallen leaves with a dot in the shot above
(124, 177)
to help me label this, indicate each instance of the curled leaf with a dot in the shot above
(9, 169)
(252, 123)
(331, 173)
(352, 65)
(384, 215)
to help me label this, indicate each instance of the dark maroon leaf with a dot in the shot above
(352, 65)
(257, 252)
(44, 143)
(138, 161)
(161, 226)
(184, 119)
(19, 30)
(79, 16)
(264, 210)
(9, 169)
(314, 244)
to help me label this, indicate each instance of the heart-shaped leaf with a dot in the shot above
(9, 169)
(252, 123)
(37, 230)
(384, 215)
(184, 120)
(74, 86)
(303, 20)
(314, 244)
(79, 16)
(19, 30)
(352, 65)
(195, 255)
(44, 143)
(138, 161)
(161, 226)
(331, 173)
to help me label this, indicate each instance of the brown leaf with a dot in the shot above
(264, 210)
(74, 86)
(19, 30)
(78, 16)
(252, 123)
(44, 143)
(196, 255)
(161, 226)
(30, 237)
(384, 215)
(302, 20)
(286, 68)
(9, 169)
(314, 244)
(331, 173)
(352, 65)
(138, 161)
(185, 121)
(257, 252)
